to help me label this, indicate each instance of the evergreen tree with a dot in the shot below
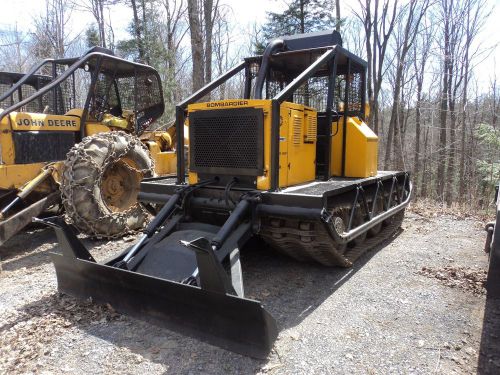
(92, 36)
(137, 47)
(301, 16)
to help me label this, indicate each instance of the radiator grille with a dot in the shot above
(227, 141)
(35, 147)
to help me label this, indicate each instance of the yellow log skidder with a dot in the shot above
(78, 133)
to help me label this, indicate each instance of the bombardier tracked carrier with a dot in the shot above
(290, 160)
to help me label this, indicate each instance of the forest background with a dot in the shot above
(432, 78)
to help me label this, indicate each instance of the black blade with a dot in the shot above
(237, 324)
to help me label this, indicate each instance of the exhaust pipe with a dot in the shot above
(273, 47)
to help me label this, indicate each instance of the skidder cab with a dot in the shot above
(288, 158)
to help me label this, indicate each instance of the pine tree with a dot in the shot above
(301, 16)
(92, 36)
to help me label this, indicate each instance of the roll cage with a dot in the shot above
(97, 83)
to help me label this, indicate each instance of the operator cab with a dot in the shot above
(97, 87)
(300, 118)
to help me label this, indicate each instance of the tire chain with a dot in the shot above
(80, 153)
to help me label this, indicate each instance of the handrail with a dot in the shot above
(353, 233)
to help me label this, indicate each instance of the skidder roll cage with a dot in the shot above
(11, 92)
(96, 83)
(49, 110)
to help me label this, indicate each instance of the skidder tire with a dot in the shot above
(100, 182)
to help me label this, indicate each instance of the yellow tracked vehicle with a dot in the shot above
(79, 131)
(289, 160)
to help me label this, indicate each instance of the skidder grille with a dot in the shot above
(36, 147)
(227, 141)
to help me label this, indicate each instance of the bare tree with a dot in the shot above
(138, 31)
(210, 12)
(446, 20)
(353, 36)
(195, 22)
(226, 56)
(455, 80)
(14, 52)
(98, 8)
(461, 22)
(337, 15)
(175, 31)
(202, 15)
(474, 19)
(378, 24)
(51, 36)
(421, 51)
(414, 12)
(167, 52)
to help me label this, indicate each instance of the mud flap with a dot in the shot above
(230, 322)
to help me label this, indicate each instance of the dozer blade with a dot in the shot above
(13, 224)
(233, 323)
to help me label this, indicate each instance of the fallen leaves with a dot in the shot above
(466, 278)
(428, 208)
(27, 333)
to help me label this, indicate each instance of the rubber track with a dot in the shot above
(310, 241)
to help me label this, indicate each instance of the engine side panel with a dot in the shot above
(361, 150)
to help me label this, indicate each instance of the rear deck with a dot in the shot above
(310, 195)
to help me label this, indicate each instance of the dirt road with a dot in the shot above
(412, 306)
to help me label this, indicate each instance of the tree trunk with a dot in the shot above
(461, 173)
(451, 153)
(369, 71)
(196, 44)
(145, 42)
(209, 24)
(442, 140)
(441, 168)
(302, 18)
(425, 180)
(495, 105)
(337, 13)
(416, 163)
(399, 135)
(394, 122)
(137, 31)
(390, 136)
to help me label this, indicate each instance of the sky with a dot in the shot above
(245, 14)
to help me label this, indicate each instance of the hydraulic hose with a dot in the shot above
(159, 219)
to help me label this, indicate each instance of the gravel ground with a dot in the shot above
(414, 305)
